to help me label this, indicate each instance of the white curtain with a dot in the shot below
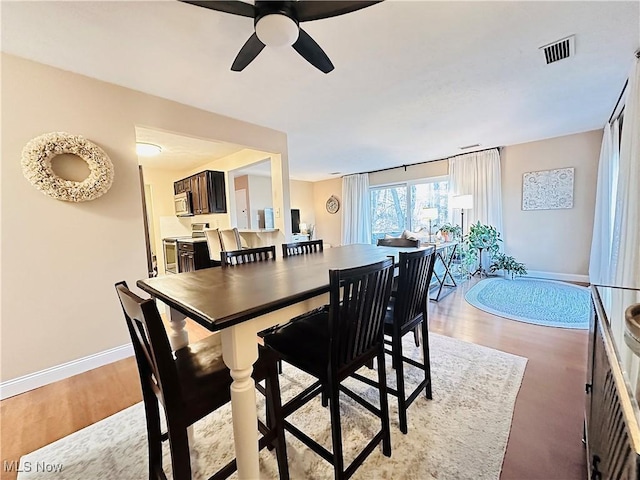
(478, 174)
(356, 216)
(600, 271)
(625, 252)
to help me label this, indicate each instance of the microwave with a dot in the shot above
(182, 204)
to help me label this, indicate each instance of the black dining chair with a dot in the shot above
(407, 311)
(302, 248)
(401, 242)
(190, 386)
(397, 242)
(248, 255)
(331, 343)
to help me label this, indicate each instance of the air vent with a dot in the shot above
(466, 147)
(559, 50)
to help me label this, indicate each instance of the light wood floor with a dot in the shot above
(545, 441)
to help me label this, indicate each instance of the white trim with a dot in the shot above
(565, 277)
(28, 382)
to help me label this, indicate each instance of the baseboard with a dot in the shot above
(565, 277)
(25, 383)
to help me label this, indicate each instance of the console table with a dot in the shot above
(442, 278)
(612, 416)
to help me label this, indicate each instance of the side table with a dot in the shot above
(442, 278)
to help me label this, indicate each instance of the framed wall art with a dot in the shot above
(548, 189)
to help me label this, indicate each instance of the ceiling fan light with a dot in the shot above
(277, 30)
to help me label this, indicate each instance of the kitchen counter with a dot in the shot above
(260, 237)
(192, 240)
(187, 239)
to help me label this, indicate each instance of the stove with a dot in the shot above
(170, 246)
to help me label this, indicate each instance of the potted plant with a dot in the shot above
(508, 264)
(481, 238)
(450, 232)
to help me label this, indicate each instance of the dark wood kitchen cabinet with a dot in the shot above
(193, 256)
(207, 191)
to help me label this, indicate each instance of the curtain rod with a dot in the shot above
(427, 161)
(624, 87)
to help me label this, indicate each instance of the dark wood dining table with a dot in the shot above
(242, 300)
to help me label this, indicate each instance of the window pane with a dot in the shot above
(429, 195)
(388, 211)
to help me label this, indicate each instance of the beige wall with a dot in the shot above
(328, 226)
(556, 241)
(261, 195)
(302, 198)
(60, 260)
(436, 168)
(550, 241)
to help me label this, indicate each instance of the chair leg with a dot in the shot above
(179, 445)
(402, 404)
(324, 397)
(275, 421)
(416, 335)
(336, 432)
(153, 436)
(384, 405)
(427, 360)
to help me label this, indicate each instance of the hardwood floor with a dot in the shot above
(545, 441)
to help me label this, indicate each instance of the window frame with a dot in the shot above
(407, 184)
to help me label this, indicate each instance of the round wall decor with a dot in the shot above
(333, 204)
(36, 167)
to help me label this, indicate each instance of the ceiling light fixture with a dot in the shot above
(277, 30)
(147, 149)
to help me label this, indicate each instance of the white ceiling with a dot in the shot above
(413, 81)
(180, 152)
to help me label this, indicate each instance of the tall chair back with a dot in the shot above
(158, 374)
(397, 242)
(214, 243)
(248, 255)
(230, 239)
(357, 307)
(415, 272)
(302, 248)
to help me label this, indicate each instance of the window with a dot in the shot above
(399, 207)
(388, 211)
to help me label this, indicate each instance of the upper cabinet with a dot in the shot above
(207, 191)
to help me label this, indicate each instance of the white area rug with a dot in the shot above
(461, 434)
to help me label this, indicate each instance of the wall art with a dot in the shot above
(36, 167)
(548, 189)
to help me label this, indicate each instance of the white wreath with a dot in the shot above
(36, 167)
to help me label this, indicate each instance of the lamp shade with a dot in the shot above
(429, 213)
(462, 201)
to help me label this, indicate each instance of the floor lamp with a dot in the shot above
(463, 202)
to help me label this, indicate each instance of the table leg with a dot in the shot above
(239, 352)
(178, 336)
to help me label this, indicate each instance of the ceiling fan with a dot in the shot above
(277, 23)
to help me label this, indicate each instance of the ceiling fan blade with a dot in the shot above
(248, 52)
(316, 10)
(312, 53)
(233, 7)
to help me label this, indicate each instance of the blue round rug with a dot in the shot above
(541, 302)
